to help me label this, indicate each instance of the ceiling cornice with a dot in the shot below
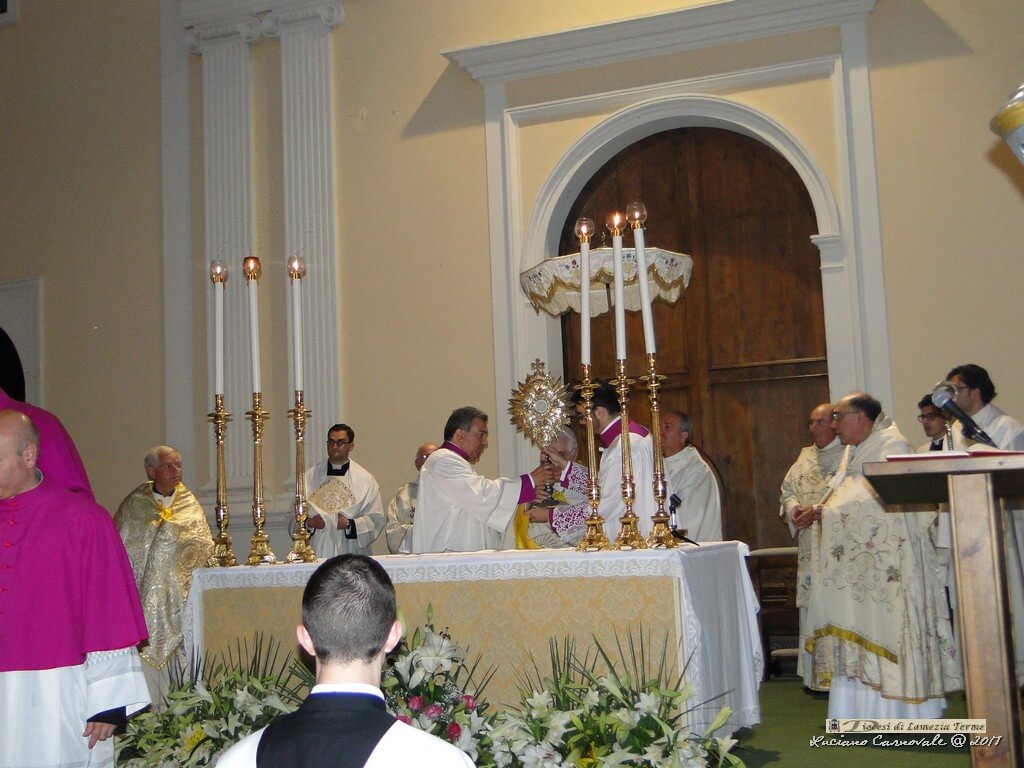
(715, 23)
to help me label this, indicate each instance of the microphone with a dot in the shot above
(673, 504)
(941, 398)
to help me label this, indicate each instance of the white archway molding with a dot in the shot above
(844, 312)
(634, 123)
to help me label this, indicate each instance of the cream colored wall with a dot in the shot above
(951, 194)
(80, 170)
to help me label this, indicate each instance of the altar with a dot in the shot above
(506, 606)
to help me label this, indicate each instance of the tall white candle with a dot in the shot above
(218, 343)
(646, 311)
(620, 296)
(252, 274)
(584, 229)
(585, 302)
(218, 274)
(296, 269)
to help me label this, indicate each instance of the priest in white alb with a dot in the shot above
(692, 480)
(460, 510)
(345, 510)
(803, 489)
(877, 633)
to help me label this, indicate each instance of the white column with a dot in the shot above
(309, 199)
(227, 186)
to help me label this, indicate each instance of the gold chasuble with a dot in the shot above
(164, 545)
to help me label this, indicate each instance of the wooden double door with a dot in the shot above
(744, 348)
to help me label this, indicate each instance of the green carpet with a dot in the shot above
(790, 719)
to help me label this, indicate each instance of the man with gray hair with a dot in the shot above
(165, 532)
(560, 522)
(460, 510)
(691, 479)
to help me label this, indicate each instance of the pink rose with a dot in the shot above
(433, 711)
(469, 701)
(405, 719)
(415, 703)
(453, 731)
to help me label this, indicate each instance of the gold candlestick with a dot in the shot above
(661, 535)
(300, 552)
(595, 539)
(259, 551)
(222, 556)
(629, 535)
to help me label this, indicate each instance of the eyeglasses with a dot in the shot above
(838, 415)
(338, 443)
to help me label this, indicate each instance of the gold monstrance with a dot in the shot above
(539, 407)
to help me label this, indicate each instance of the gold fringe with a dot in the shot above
(852, 637)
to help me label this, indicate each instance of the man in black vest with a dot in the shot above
(349, 624)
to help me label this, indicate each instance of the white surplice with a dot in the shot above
(805, 483)
(700, 502)
(459, 510)
(367, 512)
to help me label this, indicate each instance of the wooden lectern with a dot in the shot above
(977, 489)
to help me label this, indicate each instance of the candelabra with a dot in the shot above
(300, 552)
(595, 539)
(629, 535)
(223, 555)
(661, 535)
(259, 550)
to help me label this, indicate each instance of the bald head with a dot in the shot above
(19, 451)
(819, 424)
(422, 452)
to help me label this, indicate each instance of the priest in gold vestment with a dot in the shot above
(165, 532)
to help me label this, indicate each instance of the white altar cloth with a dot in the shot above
(717, 612)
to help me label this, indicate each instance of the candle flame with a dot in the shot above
(218, 271)
(251, 268)
(296, 268)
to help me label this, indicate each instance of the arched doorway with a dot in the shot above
(744, 350)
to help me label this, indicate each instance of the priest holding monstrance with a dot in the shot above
(460, 510)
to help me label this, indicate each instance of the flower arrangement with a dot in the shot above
(211, 706)
(630, 713)
(428, 684)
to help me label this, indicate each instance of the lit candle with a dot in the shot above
(219, 276)
(296, 271)
(636, 213)
(614, 223)
(252, 270)
(584, 229)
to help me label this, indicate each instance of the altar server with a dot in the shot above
(164, 530)
(349, 624)
(71, 618)
(459, 509)
(344, 499)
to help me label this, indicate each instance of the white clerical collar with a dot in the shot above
(363, 688)
(165, 499)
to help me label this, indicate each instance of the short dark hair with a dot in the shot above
(866, 404)
(975, 377)
(343, 428)
(606, 397)
(925, 401)
(348, 608)
(462, 418)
